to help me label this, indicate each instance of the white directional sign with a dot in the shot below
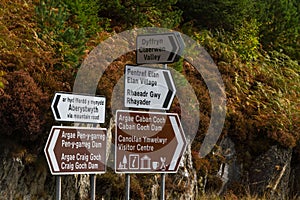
(159, 48)
(76, 150)
(149, 88)
(148, 142)
(78, 108)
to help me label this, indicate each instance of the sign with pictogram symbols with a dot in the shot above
(148, 142)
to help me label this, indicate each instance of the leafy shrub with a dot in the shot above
(20, 46)
(217, 14)
(262, 95)
(110, 186)
(245, 40)
(66, 26)
(23, 106)
(26, 73)
(2, 82)
(141, 13)
(278, 20)
(280, 26)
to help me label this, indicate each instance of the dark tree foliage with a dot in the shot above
(280, 25)
(278, 20)
(141, 13)
(216, 14)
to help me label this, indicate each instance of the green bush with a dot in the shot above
(280, 28)
(217, 14)
(141, 13)
(245, 40)
(66, 26)
(262, 95)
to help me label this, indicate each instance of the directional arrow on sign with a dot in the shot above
(76, 150)
(50, 150)
(78, 108)
(159, 48)
(148, 142)
(149, 88)
(180, 141)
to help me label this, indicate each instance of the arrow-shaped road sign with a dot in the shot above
(148, 142)
(78, 108)
(148, 88)
(76, 150)
(159, 48)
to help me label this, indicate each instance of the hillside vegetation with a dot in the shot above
(255, 44)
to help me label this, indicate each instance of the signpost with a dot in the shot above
(149, 145)
(78, 108)
(76, 150)
(145, 142)
(149, 88)
(148, 142)
(159, 48)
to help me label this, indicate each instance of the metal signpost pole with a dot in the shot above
(58, 184)
(92, 179)
(58, 187)
(93, 186)
(162, 186)
(150, 88)
(127, 187)
(61, 148)
(163, 175)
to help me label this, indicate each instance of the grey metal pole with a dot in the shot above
(162, 186)
(127, 187)
(163, 175)
(93, 186)
(58, 187)
(58, 184)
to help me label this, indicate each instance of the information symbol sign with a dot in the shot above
(134, 161)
